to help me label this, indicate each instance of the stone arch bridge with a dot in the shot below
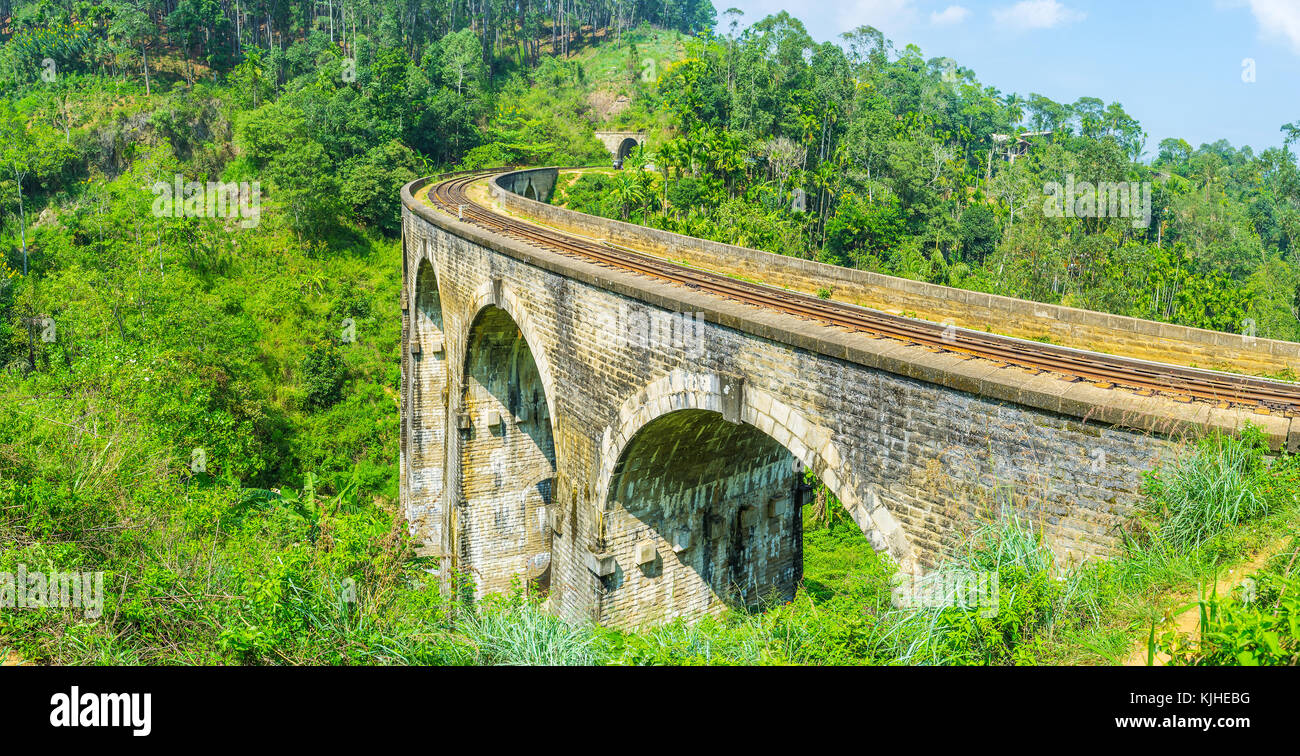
(637, 446)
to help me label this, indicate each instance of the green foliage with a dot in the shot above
(180, 335)
(1258, 625)
(979, 233)
(590, 193)
(862, 234)
(21, 58)
(303, 186)
(323, 372)
(251, 82)
(515, 630)
(367, 186)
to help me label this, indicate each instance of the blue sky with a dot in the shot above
(1175, 65)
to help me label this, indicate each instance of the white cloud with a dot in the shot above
(1278, 18)
(889, 16)
(953, 14)
(1037, 14)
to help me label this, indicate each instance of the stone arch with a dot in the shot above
(625, 148)
(497, 293)
(694, 408)
(426, 483)
(507, 451)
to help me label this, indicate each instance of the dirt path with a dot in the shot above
(1188, 621)
(13, 660)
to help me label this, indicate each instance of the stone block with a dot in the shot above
(602, 565)
(645, 552)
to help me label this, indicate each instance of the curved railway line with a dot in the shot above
(450, 196)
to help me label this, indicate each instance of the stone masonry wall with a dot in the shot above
(425, 427)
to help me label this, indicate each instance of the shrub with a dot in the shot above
(322, 375)
(518, 631)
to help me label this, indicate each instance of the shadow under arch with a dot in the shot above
(625, 148)
(507, 457)
(717, 502)
(427, 415)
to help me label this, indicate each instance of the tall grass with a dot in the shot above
(515, 633)
(1197, 496)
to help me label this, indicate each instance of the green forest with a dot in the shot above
(206, 408)
(863, 155)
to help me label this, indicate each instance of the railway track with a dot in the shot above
(452, 197)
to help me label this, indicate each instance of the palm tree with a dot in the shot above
(673, 157)
(630, 191)
(697, 150)
(1015, 105)
(729, 153)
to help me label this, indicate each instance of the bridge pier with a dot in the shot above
(424, 429)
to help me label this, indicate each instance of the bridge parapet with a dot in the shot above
(1068, 326)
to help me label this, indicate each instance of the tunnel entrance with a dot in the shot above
(702, 513)
(625, 148)
(428, 415)
(507, 460)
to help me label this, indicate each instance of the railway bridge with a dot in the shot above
(629, 420)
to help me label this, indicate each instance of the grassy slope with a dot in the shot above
(607, 75)
(175, 335)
